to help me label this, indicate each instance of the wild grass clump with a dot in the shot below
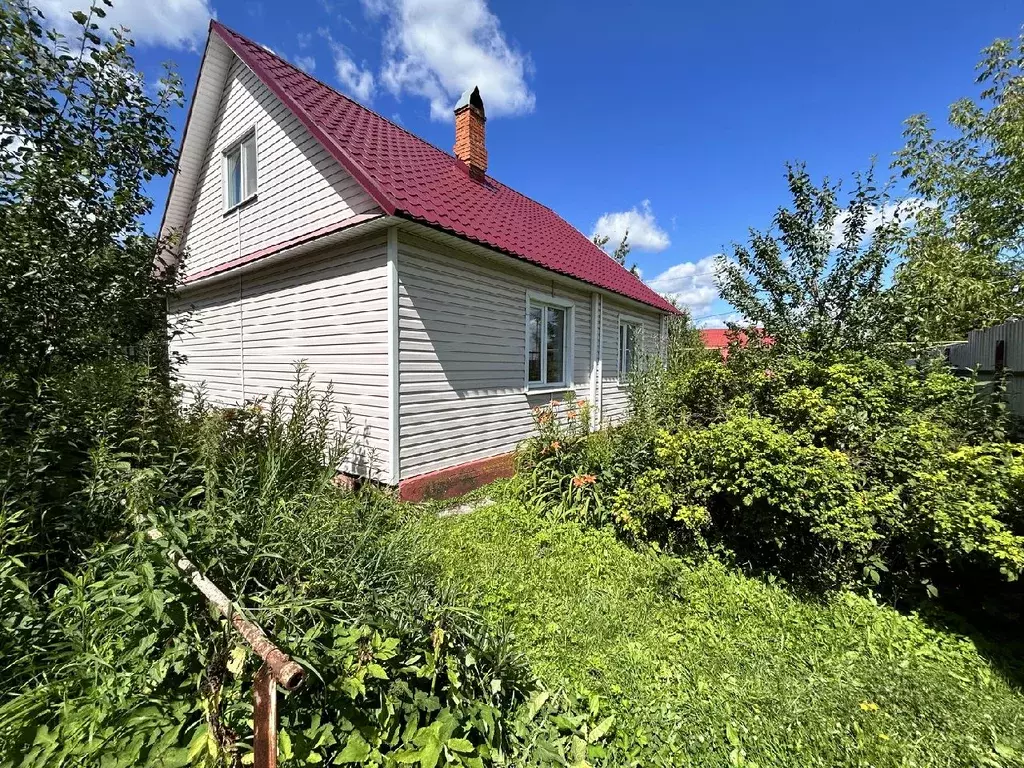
(117, 659)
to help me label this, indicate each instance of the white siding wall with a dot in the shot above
(301, 188)
(463, 354)
(615, 400)
(980, 349)
(328, 308)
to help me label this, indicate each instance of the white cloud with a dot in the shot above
(644, 232)
(356, 81)
(904, 210)
(171, 23)
(306, 63)
(437, 49)
(692, 283)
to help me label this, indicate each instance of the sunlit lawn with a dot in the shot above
(705, 666)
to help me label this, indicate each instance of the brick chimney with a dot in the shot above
(470, 147)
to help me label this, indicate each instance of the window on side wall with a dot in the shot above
(630, 338)
(240, 172)
(548, 351)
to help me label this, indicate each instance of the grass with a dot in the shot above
(702, 665)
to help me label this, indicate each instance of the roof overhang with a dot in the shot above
(199, 124)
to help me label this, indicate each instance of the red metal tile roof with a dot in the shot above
(718, 338)
(411, 178)
(715, 338)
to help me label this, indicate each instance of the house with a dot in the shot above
(441, 304)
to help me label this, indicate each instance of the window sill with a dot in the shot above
(242, 204)
(547, 389)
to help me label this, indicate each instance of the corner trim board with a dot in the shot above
(394, 455)
(595, 356)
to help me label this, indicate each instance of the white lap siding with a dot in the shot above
(328, 309)
(300, 187)
(615, 400)
(209, 339)
(462, 355)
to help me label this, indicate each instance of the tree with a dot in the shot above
(79, 138)
(977, 176)
(685, 342)
(621, 250)
(945, 287)
(963, 262)
(813, 282)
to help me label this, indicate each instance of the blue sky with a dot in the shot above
(676, 118)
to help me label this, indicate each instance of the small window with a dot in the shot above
(630, 334)
(1000, 355)
(240, 172)
(547, 358)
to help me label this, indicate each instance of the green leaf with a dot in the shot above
(460, 745)
(356, 750)
(284, 746)
(407, 758)
(536, 702)
(80, 17)
(601, 729)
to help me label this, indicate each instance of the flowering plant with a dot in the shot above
(555, 467)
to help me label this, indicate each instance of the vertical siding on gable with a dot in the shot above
(328, 309)
(462, 356)
(300, 187)
(616, 397)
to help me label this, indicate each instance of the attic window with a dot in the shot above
(240, 172)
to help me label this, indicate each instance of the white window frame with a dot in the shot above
(628, 321)
(537, 299)
(239, 145)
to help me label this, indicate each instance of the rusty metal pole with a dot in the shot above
(289, 674)
(264, 717)
(277, 667)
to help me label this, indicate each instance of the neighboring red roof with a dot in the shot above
(718, 338)
(715, 338)
(409, 177)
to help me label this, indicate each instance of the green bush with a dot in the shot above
(826, 474)
(781, 503)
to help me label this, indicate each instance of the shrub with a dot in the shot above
(827, 474)
(784, 505)
(557, 467)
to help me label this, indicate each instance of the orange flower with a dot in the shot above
(555, 403)
(555, 445)
(571, 414)
(581, 480)
(580, 403)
